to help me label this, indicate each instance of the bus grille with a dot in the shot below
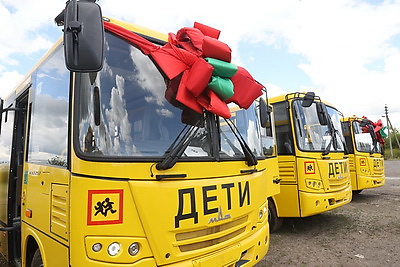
(59, 210)
(352, 164)
(203, 238)
(379, 169)
(287, 171)
(336, 184)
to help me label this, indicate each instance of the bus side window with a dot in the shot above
(347, 136)
(6, 137)
(49, 112)
(282, 128)
(5, 160)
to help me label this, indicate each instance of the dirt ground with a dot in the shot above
(365, 232)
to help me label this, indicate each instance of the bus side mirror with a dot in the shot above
(83, 36)
(308, 99)
(364, 123)
(265, 114)
(322, 113)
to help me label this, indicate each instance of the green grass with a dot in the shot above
(396, 153)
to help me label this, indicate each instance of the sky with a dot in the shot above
(346, 51)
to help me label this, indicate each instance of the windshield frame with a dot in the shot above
(78, 79)
(357, 130)
(323, 133)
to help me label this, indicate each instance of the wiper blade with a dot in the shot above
(332, 132)
(372, 133)
(177, 148)
(179, 145)
(250, 157)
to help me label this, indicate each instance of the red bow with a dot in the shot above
(183, 61)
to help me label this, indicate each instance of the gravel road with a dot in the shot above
(365, 232)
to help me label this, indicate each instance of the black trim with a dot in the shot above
(99, 177)
(69, 134)
(251, 171)
(148, 38)
(166, 176)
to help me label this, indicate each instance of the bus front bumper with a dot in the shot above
(315, 203)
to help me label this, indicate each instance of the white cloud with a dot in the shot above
(26, 22)
(8, 80)
(340, 40)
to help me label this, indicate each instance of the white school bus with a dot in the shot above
(365, 154)
(313, 163)
(98, 169)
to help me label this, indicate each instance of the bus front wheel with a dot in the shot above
(37, 259)
(274, 221)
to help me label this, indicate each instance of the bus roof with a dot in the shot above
(292, 96)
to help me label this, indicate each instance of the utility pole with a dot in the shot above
(390, 139)
(390, 128)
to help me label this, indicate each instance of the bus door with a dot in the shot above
(16, 118)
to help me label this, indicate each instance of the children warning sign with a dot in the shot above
(105, 206)
(309, 167)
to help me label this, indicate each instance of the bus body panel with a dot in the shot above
(367, 171)
(311, 183)
(170, 219)
(45, 201)
(321, 185)
(273, 186)
(290, 197)
(366, 168)
(53, 253)
(312, 203)
(4, 181)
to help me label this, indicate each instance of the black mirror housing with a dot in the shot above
(83, 36)
(322, 113)
(264, 113)
(308, 99)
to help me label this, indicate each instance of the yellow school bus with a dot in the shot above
(98, 169)
(313, 165)
(365, 154)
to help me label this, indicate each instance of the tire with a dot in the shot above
(356, 192)
(274, 221)
(37, 259)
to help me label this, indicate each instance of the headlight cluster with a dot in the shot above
(115, 247)
(263, 212)
(314, 184)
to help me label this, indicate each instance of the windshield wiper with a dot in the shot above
(371, 131)
(177, 148)
(334, 140)
(250, 157)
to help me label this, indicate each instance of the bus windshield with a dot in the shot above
(134, 119)
(363, 139)
(311, 135)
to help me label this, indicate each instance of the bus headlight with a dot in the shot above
(97, 247)
(134, 249)
(113, 248)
